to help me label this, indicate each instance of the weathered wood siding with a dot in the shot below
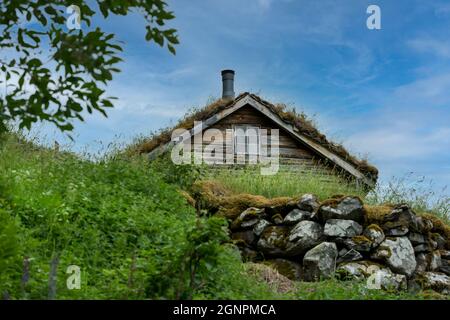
(293, 155)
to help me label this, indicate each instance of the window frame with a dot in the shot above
(247, 149)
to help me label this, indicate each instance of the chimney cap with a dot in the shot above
(227, 71)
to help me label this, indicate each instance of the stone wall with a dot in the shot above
(392, 247)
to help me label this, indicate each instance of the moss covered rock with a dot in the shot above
(358, 270)
(435, 280)
(273, 241)
(320, 262)
(260, 226)
(308, 202)
(359, 243)
(247, 219)
(297, 215)
(398, 254)
(402, 218)
(304, 236)
(347, 208)
(387, 280)
(342, 228)
(375, 234)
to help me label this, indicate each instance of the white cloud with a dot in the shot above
(410, 122)
(423, 94)
(397, 141)
(430, 45)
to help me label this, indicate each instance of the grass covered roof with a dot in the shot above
(300, 121)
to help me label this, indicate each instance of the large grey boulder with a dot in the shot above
(304, 236)
(308, 202)
(398, 253)
(342, 228)
(375, 234)
(273, 241)
(320, 261)
(295, 216)
(348, 208)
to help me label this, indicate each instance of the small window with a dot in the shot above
(246, 140)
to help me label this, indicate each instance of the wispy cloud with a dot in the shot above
(431, 46)
(401, 140)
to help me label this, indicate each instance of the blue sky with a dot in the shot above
(382, 93)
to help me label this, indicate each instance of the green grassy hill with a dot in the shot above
(133, 235)
(126, 224)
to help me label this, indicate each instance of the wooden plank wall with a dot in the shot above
(293, 155)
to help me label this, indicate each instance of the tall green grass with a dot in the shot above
(416, 191)
(284, 183)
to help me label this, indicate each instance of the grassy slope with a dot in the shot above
(131, 233)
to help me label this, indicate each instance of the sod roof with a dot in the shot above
(298, 120)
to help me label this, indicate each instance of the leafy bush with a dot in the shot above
(132, 235)
(183, 175)
(10, 253)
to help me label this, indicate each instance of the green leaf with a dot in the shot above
(107, 103)
(104, 8)
(50, 10)
(34, 63)
(171, 49)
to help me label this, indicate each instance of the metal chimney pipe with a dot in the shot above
(228, 84)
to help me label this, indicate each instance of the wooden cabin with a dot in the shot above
(301, 146)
